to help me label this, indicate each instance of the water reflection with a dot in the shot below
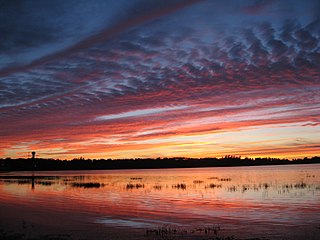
(160, 183)
(237, 198)
(116, 183)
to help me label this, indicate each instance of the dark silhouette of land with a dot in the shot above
(32, 164)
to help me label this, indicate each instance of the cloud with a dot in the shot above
(257, 6)
(70, 33)
(139, 113)
(174, 71)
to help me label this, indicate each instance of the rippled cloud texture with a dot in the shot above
(159, 78)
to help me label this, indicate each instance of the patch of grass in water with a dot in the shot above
(135, 178)
(197, 181)
(213, 186)
(88, 185)
(134, 186)
(224, 179)
(157, 187)
(181, 186)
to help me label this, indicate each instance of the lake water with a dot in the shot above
(268, 202)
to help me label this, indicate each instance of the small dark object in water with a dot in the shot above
(136, 186)
(88, 185)
(180, 186)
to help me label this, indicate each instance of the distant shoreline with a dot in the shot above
(38, 164)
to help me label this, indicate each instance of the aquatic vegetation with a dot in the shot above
(232, 189)
(87, 185)
(301, 185)
(44, 183)
(17, 181)
(266, 185)
(135, 178)
(81, 177)
(213, 178)
(180, 186)
(157, 187)
(310, 176)
(212, 185)
(23, 182)
(67, 180)
(256, 188)
(134, 186)
(245, 188)
(197, 181)
(28, 181)
(224, 179)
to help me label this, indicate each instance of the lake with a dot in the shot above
(266, 202)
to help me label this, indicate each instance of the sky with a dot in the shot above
(161, 78)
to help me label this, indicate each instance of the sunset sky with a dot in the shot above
(159, 78)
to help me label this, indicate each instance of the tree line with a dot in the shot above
(33, 164)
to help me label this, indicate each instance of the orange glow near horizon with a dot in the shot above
(235, 138)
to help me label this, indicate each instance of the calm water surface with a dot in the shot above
(276, 202)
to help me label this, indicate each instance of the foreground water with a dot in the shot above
(274, 202)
